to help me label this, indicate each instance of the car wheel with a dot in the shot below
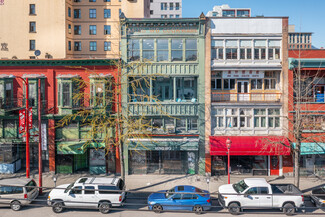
(104, 207)
(15, 205)
(57, 207)
(234, 208)
(289, 209)
(157, 208)
(198, 209)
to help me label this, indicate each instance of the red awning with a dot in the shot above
(250, 145)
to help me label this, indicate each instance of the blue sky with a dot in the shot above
(306, 15)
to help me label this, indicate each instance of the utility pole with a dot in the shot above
(40, 167)
(27, 129)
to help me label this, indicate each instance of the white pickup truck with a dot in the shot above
(256, 193)
(88, 192)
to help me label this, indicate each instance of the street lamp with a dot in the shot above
(228, 143)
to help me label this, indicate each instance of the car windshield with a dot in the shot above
(68, 188)
(240, 186)
(170, 192)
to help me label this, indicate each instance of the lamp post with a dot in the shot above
(26, 124)
(228, 143)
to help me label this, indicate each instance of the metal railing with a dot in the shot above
(246, 97)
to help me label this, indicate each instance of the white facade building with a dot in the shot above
(226, 11)
(165, 8)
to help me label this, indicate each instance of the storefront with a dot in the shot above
(312, 159)
(163, 156)
(77, 157)
(254, 155)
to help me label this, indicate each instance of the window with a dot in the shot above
(89, 190)
(177, 15)
(274, 49)
(245, 51)
(256, 84)
(163, 6)
(32, 45)
(66, 94)
(177, 49)
(230, 13)
(180, 125)
(231, 49)
(252, 191)
(260, 49)
(162, 50)
(10, 129)
(69, 28)
(32, 9)
(216, 83)
(171, 16)
(92, 46)
(191, 49)
(270, 80)
(187, 197)
(274, 118)
(77, 13)
(186, 89)
(219, 118)
(92, 30)
(77, 46)
(107, 46)
(263, 190)
(192, 124)
(229, 84)
(134, 49)
(171, 6)
(92, 13)
(242, 13)
(119, 11)
(217, 49)
(148, 52)
(313, 122)
(151, 12)
(245, 118)
(157, 125)
(107, 13)
(69, 45)
(107, 29)
(260, 118)
(30, 186)
(177, 6)
(139, 89)
(231, 118)
(32, 26)
(11, 190)
(101, 92)
(107, 0)
(77, 0)
(67, 88)
(163, 88)
(92, 0)
(69, 12)
(76, 190)
(77, 29)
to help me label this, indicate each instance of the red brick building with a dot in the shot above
(57, 86)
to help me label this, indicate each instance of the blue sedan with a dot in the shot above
(183, 197)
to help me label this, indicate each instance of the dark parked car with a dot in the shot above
(184, 197)
(318, 197)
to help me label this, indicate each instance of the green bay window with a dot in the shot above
(101, 94)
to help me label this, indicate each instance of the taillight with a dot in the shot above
(25, 196)
(302, 198)
(209, 201)
(120, 199)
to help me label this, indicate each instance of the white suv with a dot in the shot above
(88, 192)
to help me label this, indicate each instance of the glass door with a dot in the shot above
(242, 90)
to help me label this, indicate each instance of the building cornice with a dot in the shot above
(60, 62)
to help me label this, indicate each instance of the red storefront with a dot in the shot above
(254, 155)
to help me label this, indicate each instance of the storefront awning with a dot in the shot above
(250, 145)
(312, 148)
(153, 145)
(76, 147)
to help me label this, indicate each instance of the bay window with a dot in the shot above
(134, 50)
(67, 88)
(162, 50)
(148, 50)
(177, 50)
(191, 49)
(101, 94)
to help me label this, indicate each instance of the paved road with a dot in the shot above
(40, 209)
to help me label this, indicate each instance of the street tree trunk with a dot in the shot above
(297, 164)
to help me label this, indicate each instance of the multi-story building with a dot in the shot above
(299, 40)
(306, 106)
(226, 11)
(247, 84)
(64, 28)
(64, 149)
(165, 9)
(168, 90)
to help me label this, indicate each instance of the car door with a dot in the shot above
(173, 202)
(265, 199)
(250, 198)
(32, 190)
(187, 202)
(74, 197)
(89, 196)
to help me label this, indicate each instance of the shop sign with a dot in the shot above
(161, 30)
(243, 74)
(162, 148)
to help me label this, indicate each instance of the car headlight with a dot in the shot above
(49, 198)
(151, 202)
(321, 201)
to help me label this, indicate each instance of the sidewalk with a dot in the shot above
(161, 182)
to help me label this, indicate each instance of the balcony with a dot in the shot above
(173, 109)
(318, 98)
(246, 97)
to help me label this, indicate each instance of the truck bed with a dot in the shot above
(285, 189)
